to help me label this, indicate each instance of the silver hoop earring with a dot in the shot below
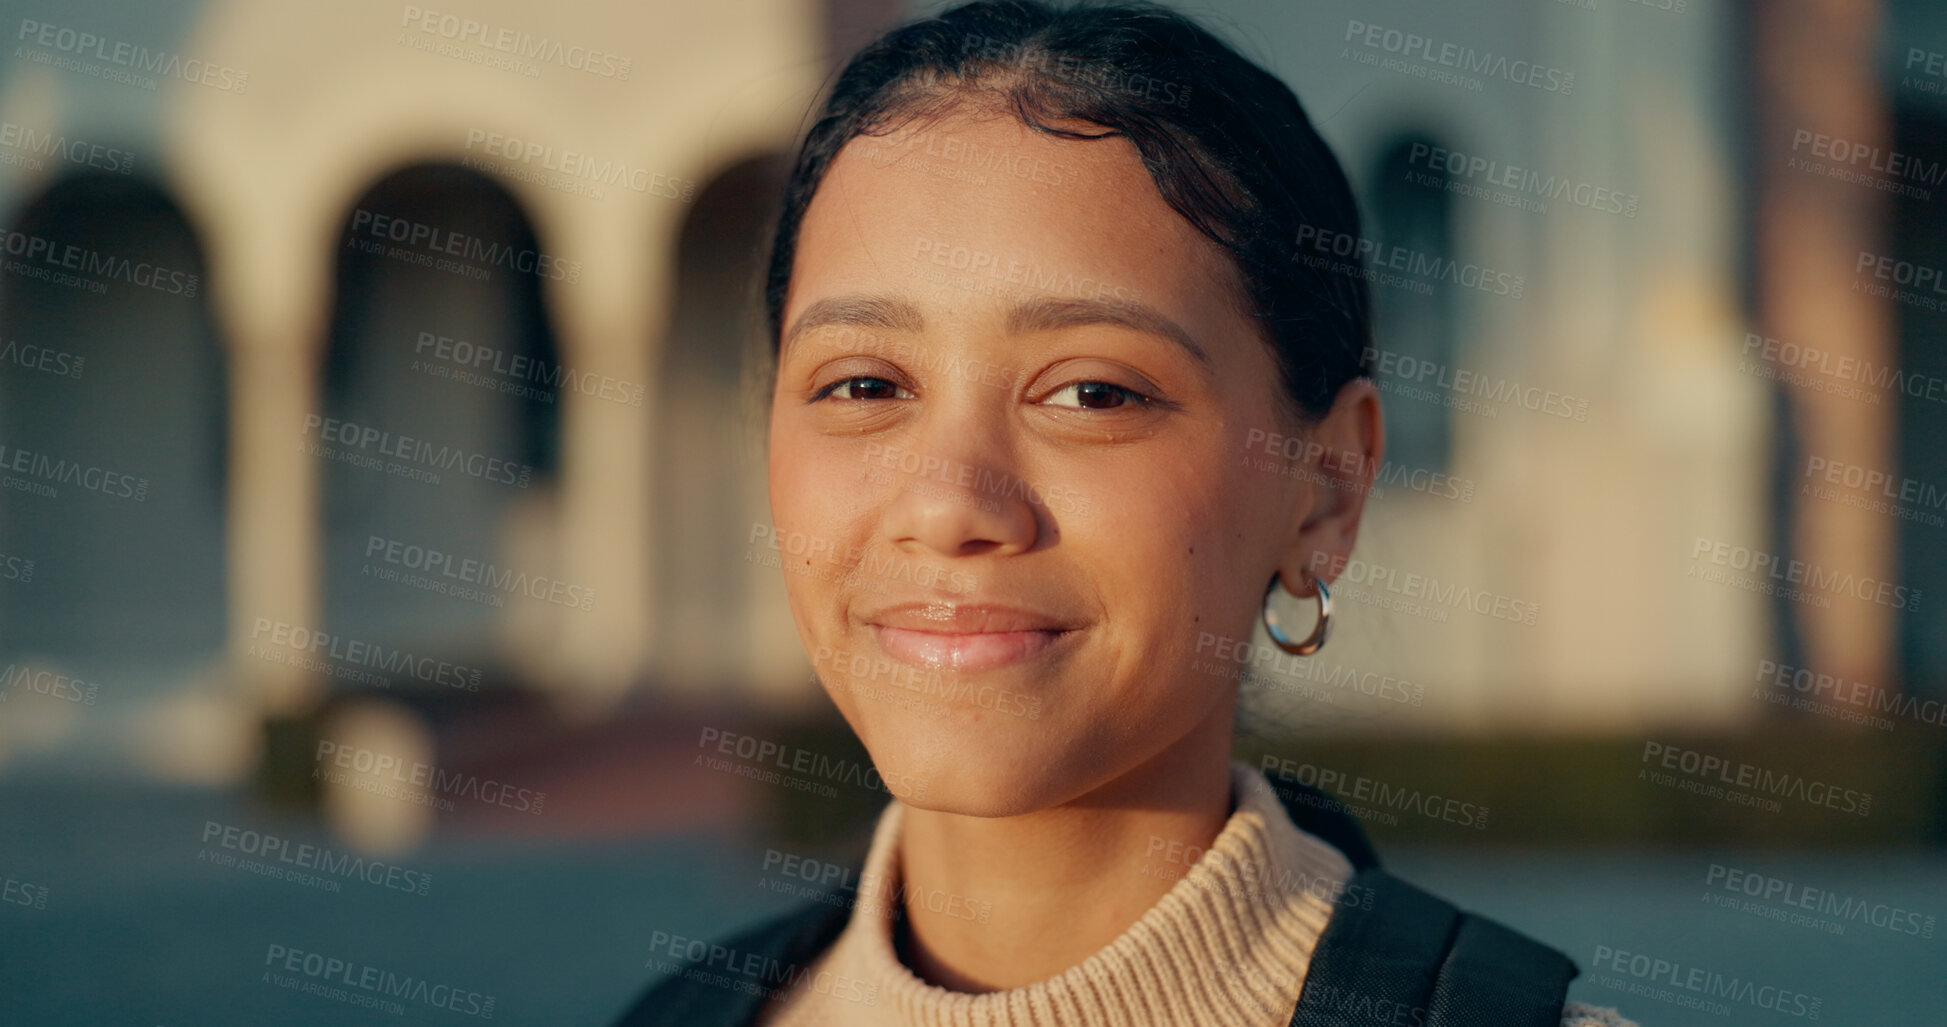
(1313, 642)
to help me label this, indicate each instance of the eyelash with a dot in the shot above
(1129, 394)
(826, 392)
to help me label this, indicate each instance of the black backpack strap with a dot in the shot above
(701, 995)
(1495, 976)
(1398, 954)
(1379, 956)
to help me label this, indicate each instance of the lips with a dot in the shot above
(947, 636)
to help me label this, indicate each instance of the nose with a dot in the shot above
(959, 492)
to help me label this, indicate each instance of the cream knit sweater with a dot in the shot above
(1228, 945)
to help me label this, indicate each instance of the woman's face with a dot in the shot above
(1013, 466)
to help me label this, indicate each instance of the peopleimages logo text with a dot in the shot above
(1798, 572)
(762, 752)
(1414, 585)
(1315, 243)
(270, 848)
(525, 45)
(1352, 787)
(434, 239)
(94, 264)
(1823, 901)
(375, 983)
(471, 571)
(406, 448)
(1853, 695)
(120, 54)
(1524, 180)
(1413, 46)
(392, 769)
(1461, 381)
(1702, 766)
(1704, 983)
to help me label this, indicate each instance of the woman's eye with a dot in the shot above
(863, 387)
(1095, 396)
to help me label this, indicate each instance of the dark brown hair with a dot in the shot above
(1226, 143)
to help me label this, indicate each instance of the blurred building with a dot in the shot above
(381, 346)
(386, 272)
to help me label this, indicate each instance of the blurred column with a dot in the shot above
(1815, 72)
(269, 290)
(612, 322)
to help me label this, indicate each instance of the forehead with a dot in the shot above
(977, 205)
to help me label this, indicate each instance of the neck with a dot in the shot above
(1062, 883)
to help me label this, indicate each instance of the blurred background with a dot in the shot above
(386, 571)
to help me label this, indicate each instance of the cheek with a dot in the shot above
(1239, 539)
(790, 475)
(821, 507)
(1173, 535)
(805, 470)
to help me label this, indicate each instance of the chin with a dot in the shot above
(974, 762)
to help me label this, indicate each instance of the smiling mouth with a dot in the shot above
(965, 650)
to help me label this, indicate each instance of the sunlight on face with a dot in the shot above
(1008, 446)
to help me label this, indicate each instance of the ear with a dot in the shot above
(1338, 469)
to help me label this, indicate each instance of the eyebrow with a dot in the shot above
(1051, 313)
(857, 312)
(1043, 314)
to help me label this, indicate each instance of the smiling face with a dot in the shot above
(1011, 463)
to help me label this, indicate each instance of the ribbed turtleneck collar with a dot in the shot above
(1228, 943)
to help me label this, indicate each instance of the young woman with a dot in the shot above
(1039, 305)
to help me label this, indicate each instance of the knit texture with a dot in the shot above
(1228, 944)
